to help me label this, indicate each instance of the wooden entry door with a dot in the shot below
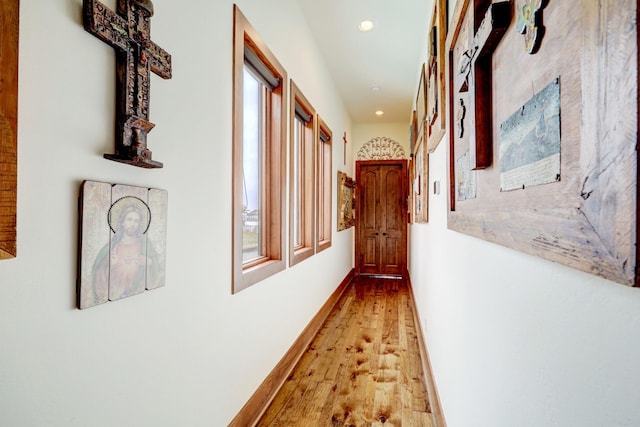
(381, 225)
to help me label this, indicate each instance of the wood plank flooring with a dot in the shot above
(363, 368)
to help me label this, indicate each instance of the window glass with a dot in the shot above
(297, 187)
(324, 209)
(252, 174)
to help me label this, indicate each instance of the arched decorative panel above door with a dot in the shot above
(381, 148)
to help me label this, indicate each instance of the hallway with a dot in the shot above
(362, 368)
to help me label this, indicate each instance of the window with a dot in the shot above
(259, 88)
(324, 192)
(302, 172)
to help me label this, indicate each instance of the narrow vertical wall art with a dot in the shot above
(346, 201)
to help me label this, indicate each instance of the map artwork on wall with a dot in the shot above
(381, 148)
(530, 142)
(465, 178)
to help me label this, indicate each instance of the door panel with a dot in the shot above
(370, 187)
(370, 256)
(381, 231)
(392, 201)
(390, 258)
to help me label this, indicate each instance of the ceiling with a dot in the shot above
(390, 56)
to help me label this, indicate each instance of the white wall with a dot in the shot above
(515, 340)
(188, 354)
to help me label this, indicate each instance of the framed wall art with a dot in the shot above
(542, 142)
(410, 212)
(413, 132)
(9, 11)
(421, 100)
(413, 136)
(346, 201)
(420, 182)
(436, 118)
(122, 241)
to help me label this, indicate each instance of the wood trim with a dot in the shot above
(275, 157)
(306, 181)
(260, 400)
(432, 390)
(324, 189)
(380, 269)
(9, 11)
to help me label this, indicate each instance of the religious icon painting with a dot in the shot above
(530, 25)
(122, 241)
(346, 201)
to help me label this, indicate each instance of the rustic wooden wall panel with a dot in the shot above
(8, 125)
(587, 220)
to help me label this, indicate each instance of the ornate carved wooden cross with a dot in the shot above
(474, 75)
(128, 32)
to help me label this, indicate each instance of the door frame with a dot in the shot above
(404, 163)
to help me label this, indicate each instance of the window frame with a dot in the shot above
(324, 188)
(248, 273)
(307, 183)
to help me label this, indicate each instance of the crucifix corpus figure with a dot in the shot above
(474, 76)
(128, 32)
(344, 154)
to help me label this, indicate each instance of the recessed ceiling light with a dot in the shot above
(365, 26)
(375, 88)
(379, 113)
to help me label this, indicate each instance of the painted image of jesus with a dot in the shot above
(123, 267)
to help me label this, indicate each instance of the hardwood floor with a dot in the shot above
(363, 368)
